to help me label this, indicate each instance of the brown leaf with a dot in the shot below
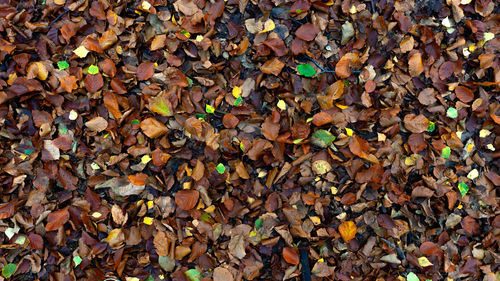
(359, 147)
(198, 171)
(68, 83)
(334, 92)
(97, 124)
(307, 32)
(343, 69)
(348, 199)
(429, 248)
(493, 177)
(290, 255)
(7, 210)
(93, 82)
(470, 225)
(272, 66)
(348, 230)
(153, 128)
(111, 103)
(187, 199)
(145, 71)
(464, 94)
(427, 96)
(161, 243)
(422, 191)
(118, 86)
(270, 129)
(417, 142)
(446, 70)
(415, 64)
(222, 274)
(416, 123)
(57, 219)
(107, 39)
(36, 241)
(230, 121)
(322, 118)
(158, 42)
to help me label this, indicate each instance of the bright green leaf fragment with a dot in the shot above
(322, 138)
(297, 141)
(258, 223)
(412, 277)
(9, 270)
(93, 69)
(150, 278)
(462, 186)
(201, 116)
(77, 260)
(193, 275)
(242, 147)
(221, 168)
(206, 218)
(452, 112)
(445, 153)
(306, 70)
(190, 82)
(62, 64)
(186, 33)
(209, 108)
(135, 122)
(238, 101)
(432, 127)
(28, 151)
(298, 11)
(21, 240)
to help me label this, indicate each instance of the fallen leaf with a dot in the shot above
(57, 219)
(145, 71)
(348, 230)
(153, 128)
(187, 199)
(97, 124)
(307, 32)
(290, 255)
(415, 64)
(272, 66)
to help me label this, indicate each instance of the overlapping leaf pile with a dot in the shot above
(210, 140)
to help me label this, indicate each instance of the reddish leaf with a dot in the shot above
(145, 71)
(416, 123)
(290, 255)
(415, 64)
(93, 83)
(118, 86)
(429, 248)
(68, 83)
(277, 45)
(111, 103)
(446, 70)
(270, 129)
(470, 225)
(230, 121)
(138, 179)
(417, 142)
(36, 241)
(7, 210)
(187, 199)
(307, 32)
(464, 94)
(68, 30)
(57, 219)
(272, 66)
(108, 66)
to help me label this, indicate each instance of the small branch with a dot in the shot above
(325, 70)
(59, 17)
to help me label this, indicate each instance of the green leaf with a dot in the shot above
(306, 70)
(209, 108)
(238, 101)
(297, 141)
(193, 275)
(452, 112)
(93, 69)
(207, 218)
(166, 263)
(432, 127)
(161, 105)
(258, 223)
(135, 122)
(20, 240)
(298, 11)
(190, 81)
(462, 186)
(412, 277)
(28, 151)
(62, 64)
(221, 168)
(9, 270)
(242, 147)
(201, 116)
(322, 138)
(150, 278)
(77, 260)
(445, 153)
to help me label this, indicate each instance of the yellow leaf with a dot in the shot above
(281, 104)
(145, 5)
(199, 38)
(488, 36)
(423, 261)
(148, 220)
(348, 131)
(113, 234)
(348, 230)
(38, 69)
(132, 279)
(96, 215)
(81, 52)
(210, 209)
(150, 204)
(12, 78)
(145, 159)
(268, 26)
(236, 92)
(316, 220)
(73, 115)
(341, 106)
(484, 133)
(334, 190)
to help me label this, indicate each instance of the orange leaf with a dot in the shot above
(359, 147)
(153, 128)
(93, 83)
(108, 67)
(348, 230)
(68, 83)
(290, 255)
(415, 65)
(138, 179)
(111, 103)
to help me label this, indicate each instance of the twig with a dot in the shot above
(59, 17)
(304, 261)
